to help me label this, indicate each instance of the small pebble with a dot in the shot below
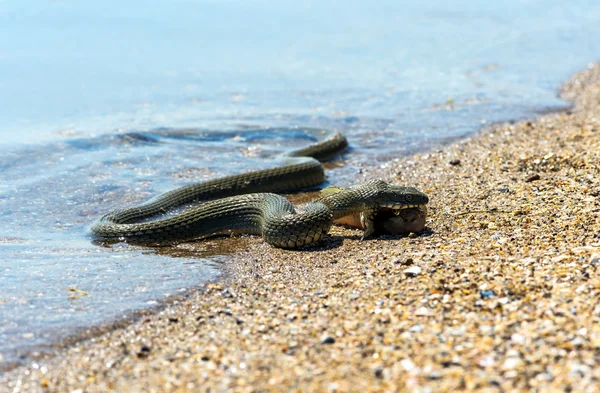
(423, 312)
(512, 363)
(413, 271)
(408, 365)
(226, 293)
(326, 339)
(487, 294)
(144, 352)
(454, 162)
(436, 374)
(532, 178)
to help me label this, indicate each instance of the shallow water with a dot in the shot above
(106, 105)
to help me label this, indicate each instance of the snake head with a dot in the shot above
(397, 209)
(393, 197)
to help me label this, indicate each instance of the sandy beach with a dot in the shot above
(500, 293)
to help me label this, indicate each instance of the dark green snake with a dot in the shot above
(245, 203)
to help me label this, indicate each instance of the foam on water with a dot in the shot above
(85, 89)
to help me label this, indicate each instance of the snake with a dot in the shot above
(248, 203)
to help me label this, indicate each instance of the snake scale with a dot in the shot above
(246, 203)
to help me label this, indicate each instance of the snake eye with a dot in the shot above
(408, 198)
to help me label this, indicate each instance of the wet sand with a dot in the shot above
(500, 293)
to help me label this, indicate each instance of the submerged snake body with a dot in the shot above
(257, 211)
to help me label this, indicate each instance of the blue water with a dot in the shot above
(105, 104)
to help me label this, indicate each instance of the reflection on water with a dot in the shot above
(107, 104)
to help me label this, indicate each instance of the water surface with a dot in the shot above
(107, 104)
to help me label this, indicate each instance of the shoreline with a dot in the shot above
(46, 351)
(500, 291)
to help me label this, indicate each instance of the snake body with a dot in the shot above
(246, 203)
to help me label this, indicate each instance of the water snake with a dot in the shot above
(246, 203)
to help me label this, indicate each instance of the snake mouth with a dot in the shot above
(400, 219)
(400, 210)
(397, 207)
